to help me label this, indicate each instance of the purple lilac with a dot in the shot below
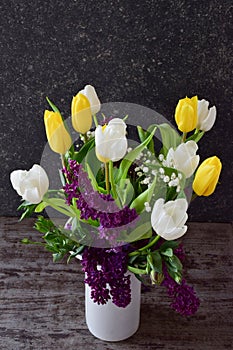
(185, 301)
(94, 205)
(105, 270)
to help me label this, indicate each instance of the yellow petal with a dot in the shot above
(81, 113)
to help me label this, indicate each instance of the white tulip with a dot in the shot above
(183, 158)
(90, 93)
(32, 184)
(168, 219)
(206, 117)
(110, 141)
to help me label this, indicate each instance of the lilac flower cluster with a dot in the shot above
(105, 270)
(94, 205)
(185, 301)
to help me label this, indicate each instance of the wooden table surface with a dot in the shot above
(42, 303)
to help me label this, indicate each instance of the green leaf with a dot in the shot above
(143, 136)
(169, 244)
(157, 261)
(167, 252)
(80, 155)
(175, 262)
(125, 191)
(196, 136)
(137, 233)
(138, 202)
(52, 105)
(40, 207)
(131, 156)
(170, 137)
(92, 177)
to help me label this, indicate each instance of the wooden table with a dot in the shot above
(42, 303)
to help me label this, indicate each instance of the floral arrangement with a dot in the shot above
(125, 207)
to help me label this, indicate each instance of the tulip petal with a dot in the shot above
(16, 177)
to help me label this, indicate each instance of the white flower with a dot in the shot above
(32, 184)
(90, 93)
(184, 158)
(110, 141)
(168, 219)
(206, 117)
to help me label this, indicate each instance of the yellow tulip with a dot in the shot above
(186, 114)
(207, 176)
(58, 137)
(81, 113)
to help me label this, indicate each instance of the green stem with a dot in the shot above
(63, 160)
(150, 244)
(107, 177)
(95, 120)
(111, 178)
(184, 136)
(193, 196)
(85, 137)
(136, 270)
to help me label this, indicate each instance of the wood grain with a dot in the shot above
(42, 303)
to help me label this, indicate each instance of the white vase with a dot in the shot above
(112, 323)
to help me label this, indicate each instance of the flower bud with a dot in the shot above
(58, 137)
(91, 95)
(81, 113)
(183, 158)
(168, 219)
(186, 114)
(206, 116)
(207, 176)
(32, 184)
(110, 140)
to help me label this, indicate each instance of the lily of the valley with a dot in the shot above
(85, 104)
(168, 219)
(206, 116)
(183, 158)
(30, 185)
(110, 141)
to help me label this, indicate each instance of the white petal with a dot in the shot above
(16, 177)
(32, 195)
(90, 93)
(208, 123)
(39, 177)
(176, 233)
(156, 212)
(202, 111)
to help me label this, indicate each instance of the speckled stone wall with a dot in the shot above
(147, 52)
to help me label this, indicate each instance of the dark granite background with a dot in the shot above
(147, 52)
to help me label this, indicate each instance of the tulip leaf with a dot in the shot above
(138, 233)
(92, 177)
(196, 136)
(125, 191)
(170, 137)
(138, 202)
(52, 105)
(143, 136)
(40, 207)
(131, 156)
(80, 155)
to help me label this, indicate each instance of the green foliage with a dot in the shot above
(28, 209)
(150, 261)
(55, 240)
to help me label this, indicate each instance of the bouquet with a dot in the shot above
(124, 203)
